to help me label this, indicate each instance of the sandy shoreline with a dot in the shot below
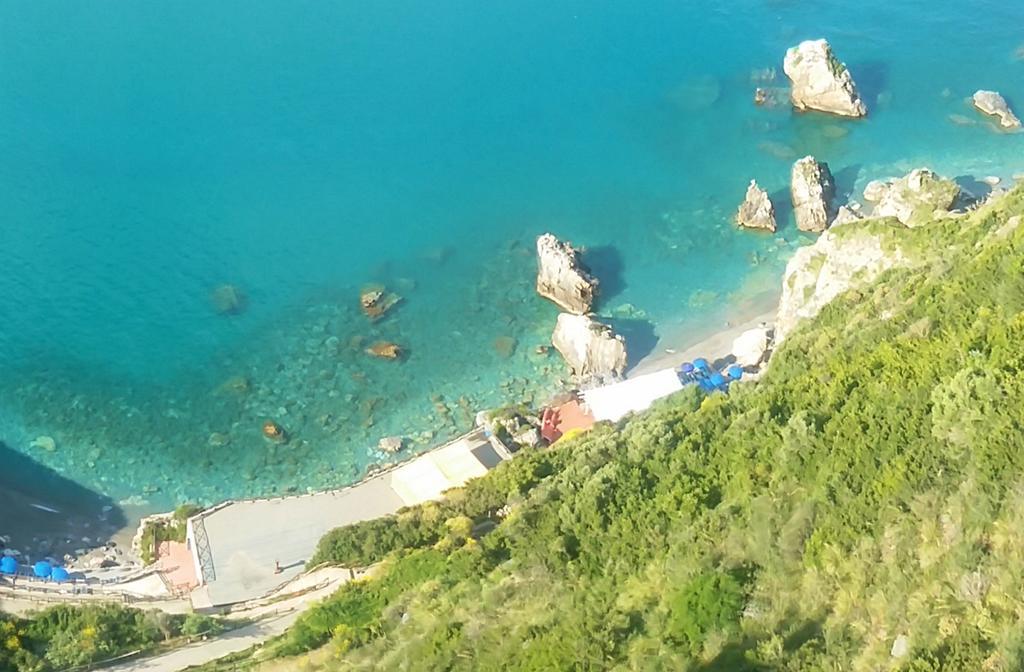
(681, 344)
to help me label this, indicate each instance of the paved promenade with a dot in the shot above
(247, 549)
(275, 619)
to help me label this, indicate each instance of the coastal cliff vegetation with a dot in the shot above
(860, 507)
(74, 637)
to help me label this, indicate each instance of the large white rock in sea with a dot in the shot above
(820, 81)
(914, 198)
(591, 349)
(993, 104)
(812, 188)
(562, 278)
(756, 211)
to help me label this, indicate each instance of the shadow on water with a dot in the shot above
(45, 514)
(640, 338)
(605, 263)
(846, 180)
(872, 79)
(971, 189)
(782, 201)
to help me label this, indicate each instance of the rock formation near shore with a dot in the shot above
(756, 211)
(820, 81)
(812, 188)
(592, 350)
(914, 198)
(750, 347)
(562, 278)
(846, 214)
(842, 258)
(993, 104)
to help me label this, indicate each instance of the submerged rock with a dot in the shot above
(961, 120)
(375, 301)
(218, 440)
(820, 81)
(562, 278)
(914, 198)
(505, 346)
(390, 444)
(591, 349)
(385, 350)
(812, 188)
(44, 443)
(274, 432)
(756, 211)
(227, 300)
(993, 104)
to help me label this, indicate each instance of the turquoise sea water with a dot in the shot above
(150, 152)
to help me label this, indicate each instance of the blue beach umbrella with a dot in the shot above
(686, 367)
(60, 574)
(702, 364)
(42, 569)
(716, 379)
(735, 372)
(8, 565)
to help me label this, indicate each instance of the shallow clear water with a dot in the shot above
(150, 152)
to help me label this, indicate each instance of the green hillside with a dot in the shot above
(859, 508)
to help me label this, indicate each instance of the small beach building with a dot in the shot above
(245, 550)
(613, 402)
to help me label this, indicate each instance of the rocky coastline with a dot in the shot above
(594, 354)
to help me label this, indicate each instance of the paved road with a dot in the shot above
(275, 618)
(204, 652)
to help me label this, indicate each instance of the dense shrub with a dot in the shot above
(364, 543)
(711, 602)
(66, 636)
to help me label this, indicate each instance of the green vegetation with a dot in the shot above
(429, 524)
(170, 529)
(65, 636)
(859, 508)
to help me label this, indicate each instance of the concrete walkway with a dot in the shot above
(247, 549)
(204, 652)
(276, 617)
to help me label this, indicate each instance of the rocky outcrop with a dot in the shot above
(913, 199)
(562, 278)
(841, 259)
(820, 81)
(756, 212)
(847, 214)
(750, 347)
(812, 188)
(591, 349)
(993, 104)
